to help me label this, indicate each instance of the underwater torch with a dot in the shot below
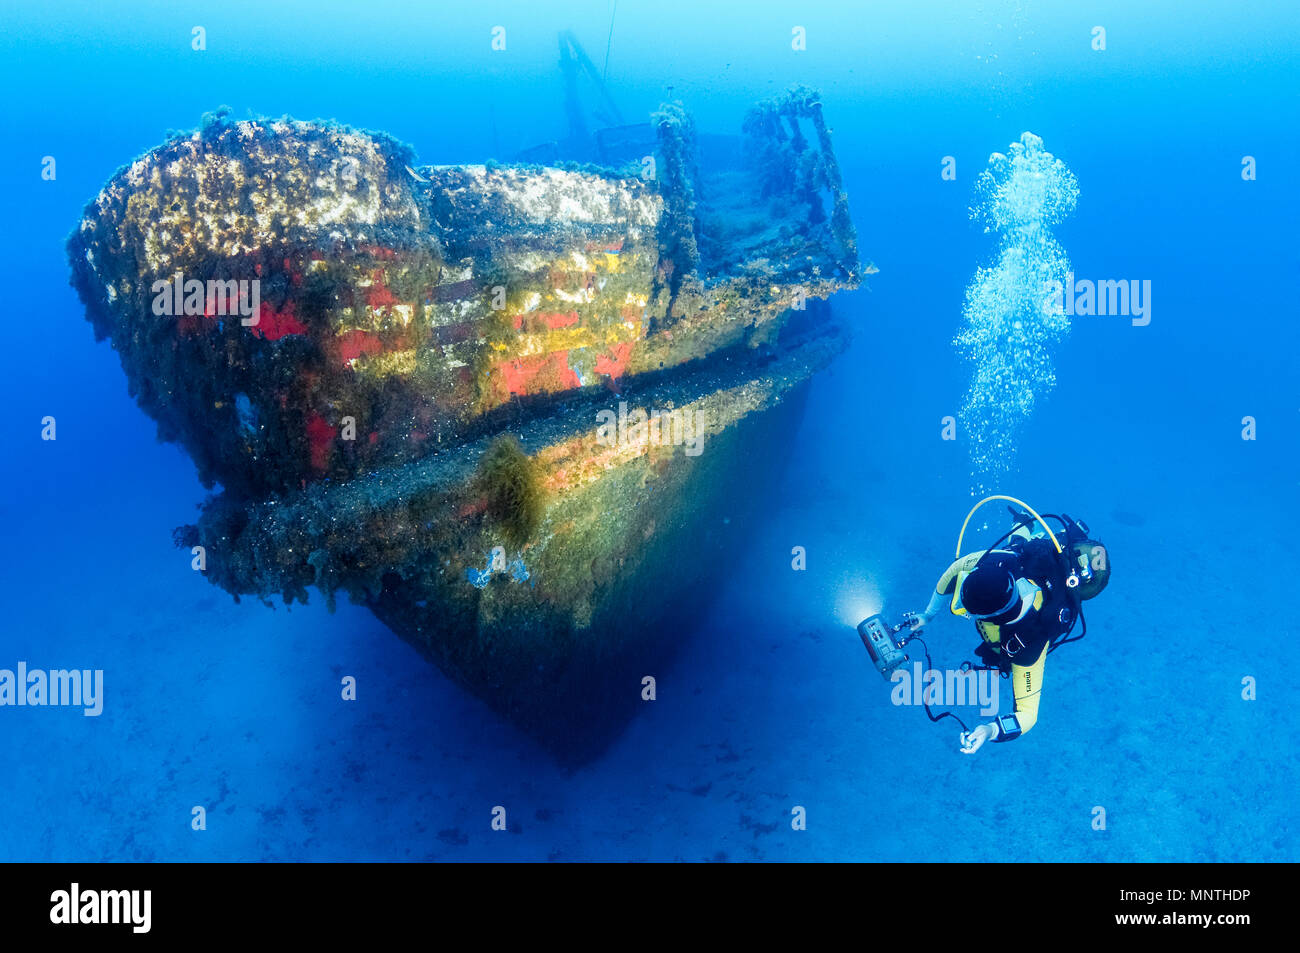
(885, 650)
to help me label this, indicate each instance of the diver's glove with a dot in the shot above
(919, 620)
(973, 739)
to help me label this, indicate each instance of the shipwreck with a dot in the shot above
(513, 409)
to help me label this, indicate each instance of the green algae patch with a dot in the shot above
(509, 481)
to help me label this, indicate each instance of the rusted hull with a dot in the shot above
(508, 408)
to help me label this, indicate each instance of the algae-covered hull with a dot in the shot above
(510, 408)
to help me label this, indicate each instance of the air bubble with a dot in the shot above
(1010, 327)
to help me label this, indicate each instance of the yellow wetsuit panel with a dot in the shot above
(1026, 680)
(1027, 683)
(950, 582)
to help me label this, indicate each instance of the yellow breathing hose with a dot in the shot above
(1009, 499)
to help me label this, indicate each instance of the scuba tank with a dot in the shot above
(1087, 558)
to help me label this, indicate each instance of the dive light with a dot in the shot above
(878, 636)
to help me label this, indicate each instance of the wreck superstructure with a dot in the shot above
(397, 374)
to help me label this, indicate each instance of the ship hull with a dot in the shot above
(514, 410)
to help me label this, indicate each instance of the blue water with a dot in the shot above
(773, 704)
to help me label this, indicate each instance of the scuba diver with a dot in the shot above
(1024, 594)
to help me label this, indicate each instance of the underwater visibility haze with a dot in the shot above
(556, 432)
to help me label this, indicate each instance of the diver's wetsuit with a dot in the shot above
(1020, 647)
